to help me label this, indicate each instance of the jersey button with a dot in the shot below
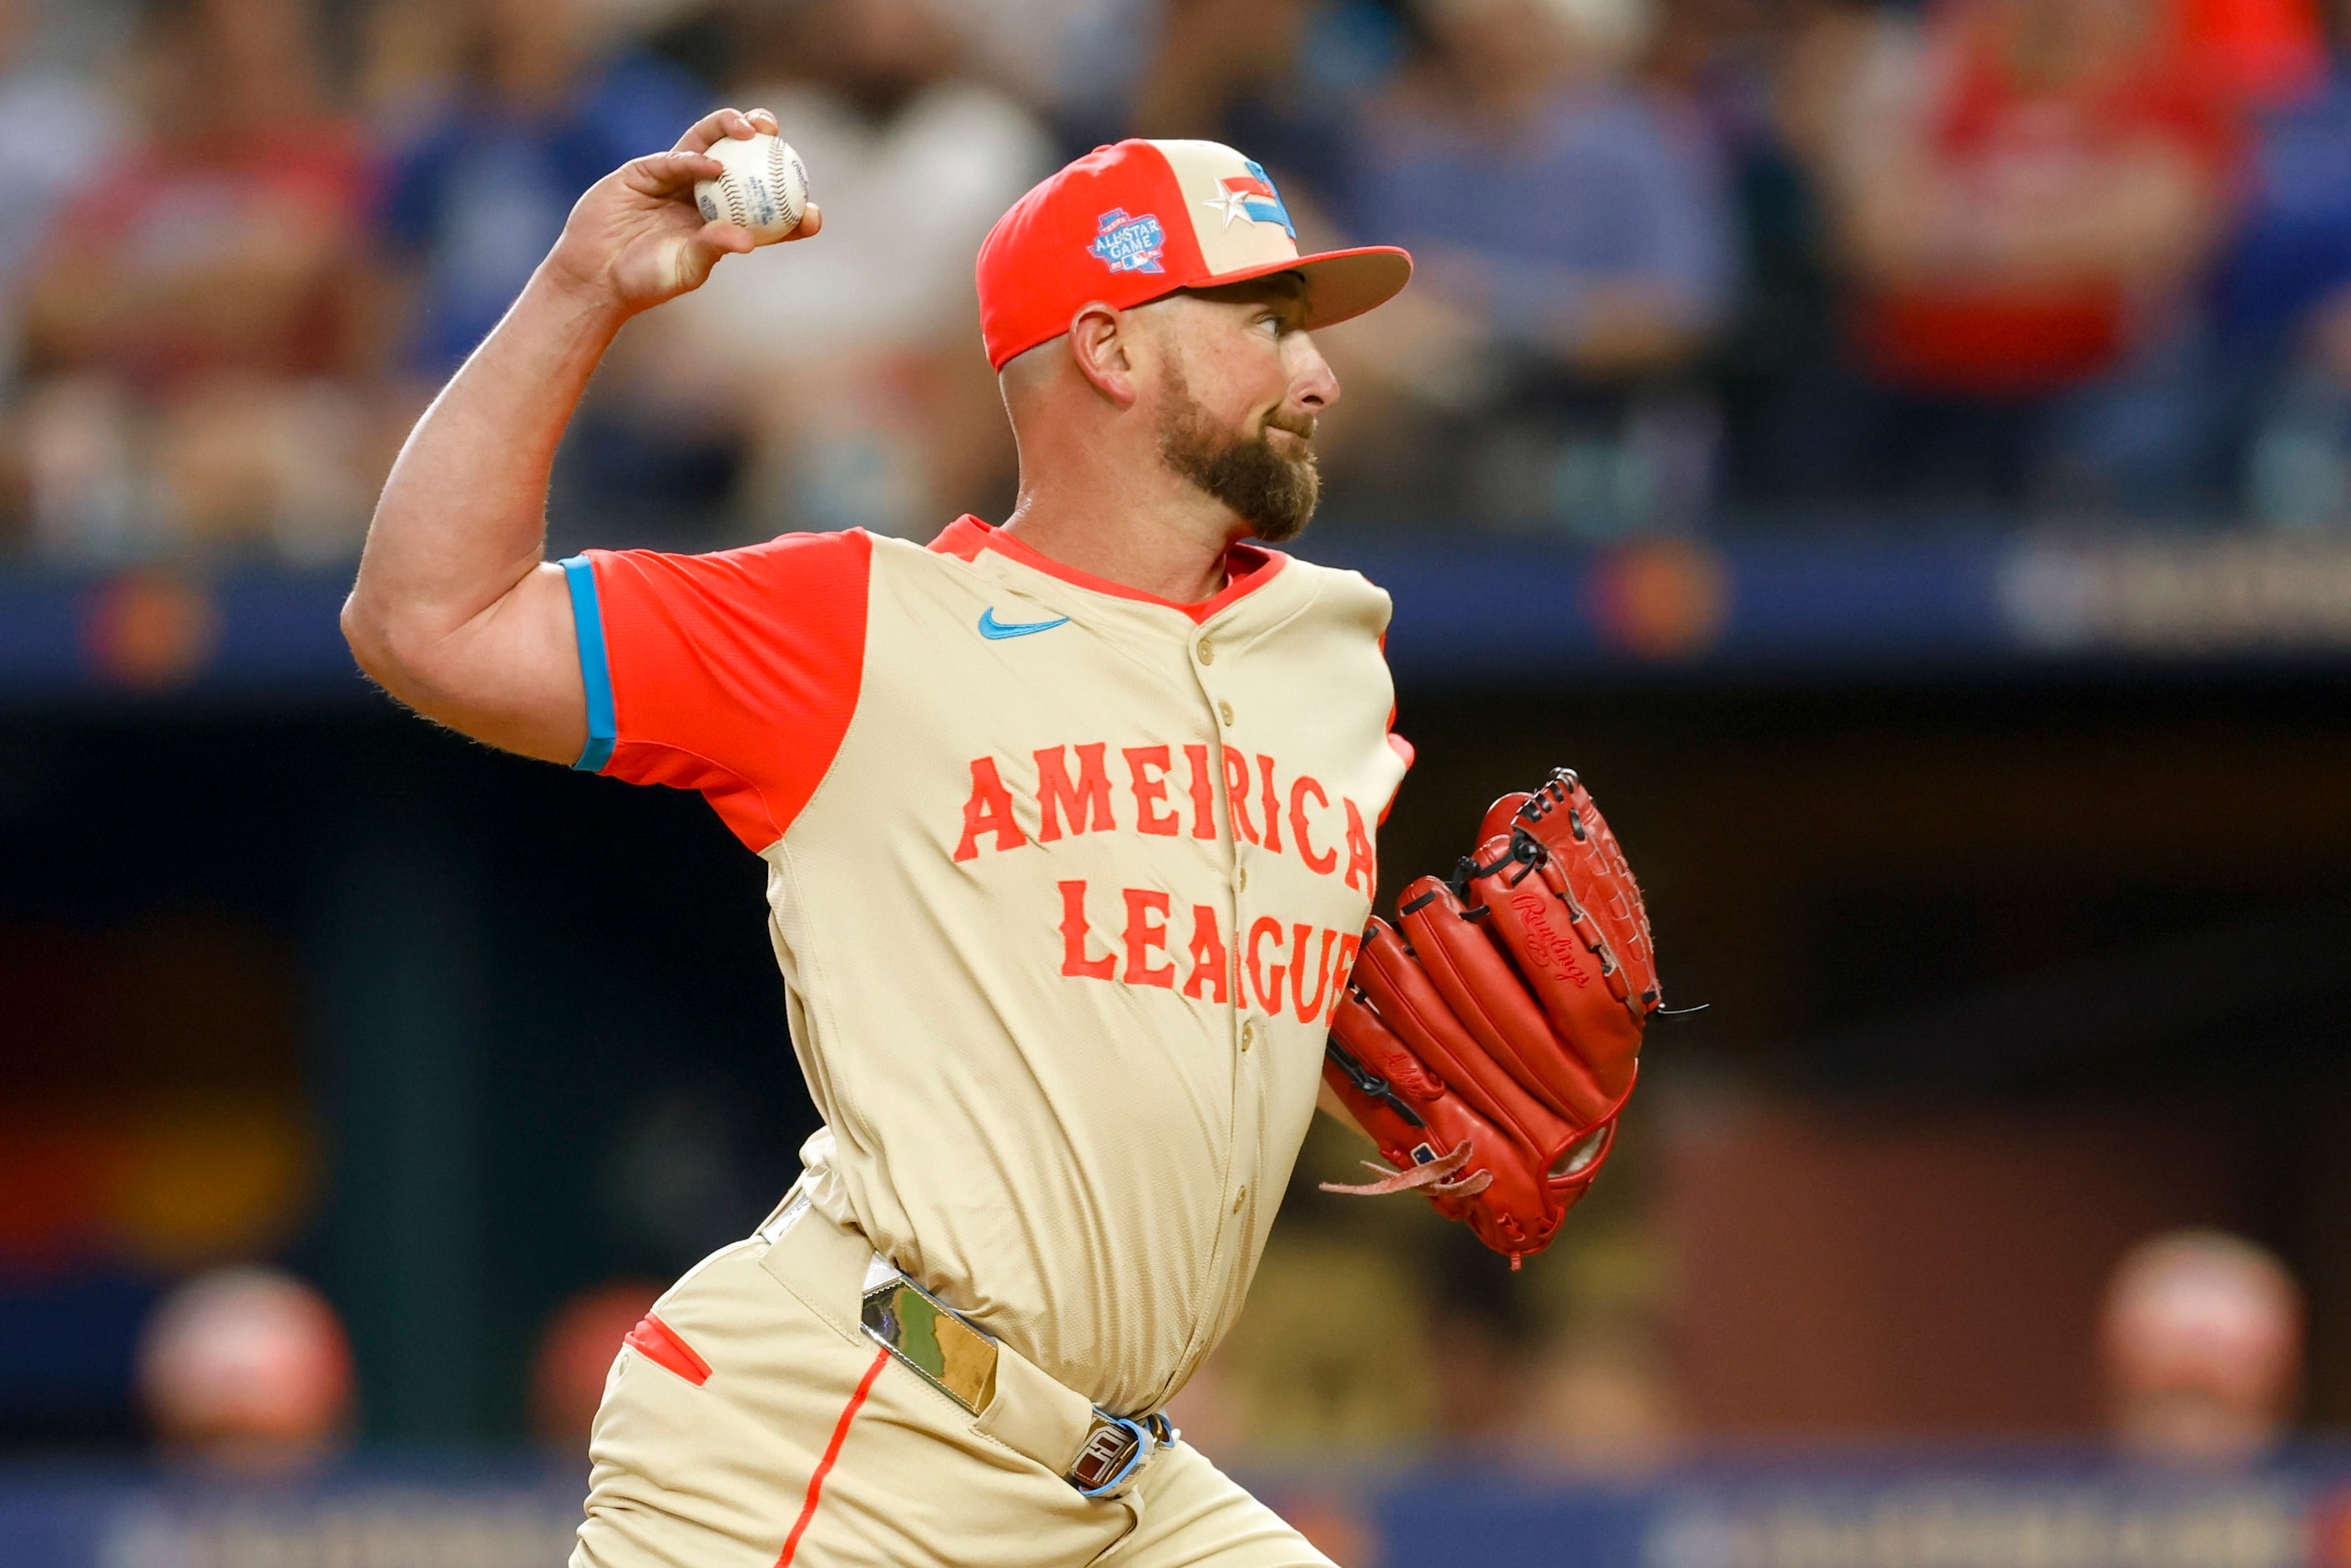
(1207, 651)
(1239, 1198)
(1224, 711)
(1249, 1035)
(1243, 880)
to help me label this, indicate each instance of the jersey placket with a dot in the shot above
(1208, 654)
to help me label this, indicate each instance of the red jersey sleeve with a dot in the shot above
(734, 673)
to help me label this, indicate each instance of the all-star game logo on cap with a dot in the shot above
(1129, 244)
(1252, 196)
(1126, 224)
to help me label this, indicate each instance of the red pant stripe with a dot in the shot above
(831, 1452)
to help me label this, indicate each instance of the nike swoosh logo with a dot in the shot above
(996, 630)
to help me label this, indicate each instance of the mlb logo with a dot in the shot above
(1129, 244)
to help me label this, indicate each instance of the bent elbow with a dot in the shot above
(365, 634)
(392, 655)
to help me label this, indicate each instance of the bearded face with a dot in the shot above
(1273, 492)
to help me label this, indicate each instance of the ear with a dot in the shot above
(1103, 343)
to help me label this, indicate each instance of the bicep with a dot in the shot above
(509, 678)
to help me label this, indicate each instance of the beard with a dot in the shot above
(1273, 494)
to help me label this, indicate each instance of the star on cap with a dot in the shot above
(1232, 203)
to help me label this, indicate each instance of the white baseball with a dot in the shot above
(764, 190)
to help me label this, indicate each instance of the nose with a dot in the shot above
(1314, 386)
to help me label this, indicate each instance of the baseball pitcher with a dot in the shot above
(1070, 829)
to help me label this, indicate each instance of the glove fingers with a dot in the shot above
(1566, 964)
(1499, 1191)
(1369, 1040)
(1392, 1121)
(1408, 1002)
(1493, 1003)
(1501, 815)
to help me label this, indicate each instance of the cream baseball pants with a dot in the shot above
(780, 1434)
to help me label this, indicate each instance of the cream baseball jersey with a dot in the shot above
(1064, 880)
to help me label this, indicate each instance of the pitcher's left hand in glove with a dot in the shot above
(1488, 1047)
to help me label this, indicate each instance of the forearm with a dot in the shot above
(454, 612)
(463, 516)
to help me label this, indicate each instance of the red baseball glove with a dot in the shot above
(1488, 1047)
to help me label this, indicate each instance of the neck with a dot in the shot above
(1161, 537)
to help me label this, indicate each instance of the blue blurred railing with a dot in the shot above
(1471, 606)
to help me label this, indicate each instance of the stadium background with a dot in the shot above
(1901, 454)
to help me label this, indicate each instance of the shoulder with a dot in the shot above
(780, 589)
(781, 561)
(1338, 596)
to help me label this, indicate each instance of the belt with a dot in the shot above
(1010, 1398)
(959, 1359)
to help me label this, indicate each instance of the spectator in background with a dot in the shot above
(575, 1355)
(192, 324)
(1280, 78)
(2287, 302)
(2201, 1339)
(545, 101)
(1746, 65)
(2025, 196)
(1073, 62)
(850, 367)
(43, 107)
(1571, 232)
(248, 1369)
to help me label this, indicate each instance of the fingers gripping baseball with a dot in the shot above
(637, 238)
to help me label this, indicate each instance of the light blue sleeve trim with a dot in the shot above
(595, 669)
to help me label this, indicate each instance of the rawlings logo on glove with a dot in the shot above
(1489, 1046)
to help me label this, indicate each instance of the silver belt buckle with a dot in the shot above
(1115, 1449)
(944, 1348)
(958, 1359)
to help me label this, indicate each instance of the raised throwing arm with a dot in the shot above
(456, 611)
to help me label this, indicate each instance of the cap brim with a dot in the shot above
(1339, 284)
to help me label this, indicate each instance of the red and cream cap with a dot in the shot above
(1128, 223)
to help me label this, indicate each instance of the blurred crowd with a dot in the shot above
(2200, 1347)
(1684, 264)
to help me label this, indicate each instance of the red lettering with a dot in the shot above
(1075, 931)
(1085, 803)
(1150, 793)
(1343, 970)
(1144, 935)
(1204, 792)
(1272, 804)
(1236, 783)
(1308, 1010)
(1209, 959)
(989, 810)
(1359, 853)
(1320, 864)
(1269, 991)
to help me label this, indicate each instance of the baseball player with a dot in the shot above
(1069, 827)
(1070, 832)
